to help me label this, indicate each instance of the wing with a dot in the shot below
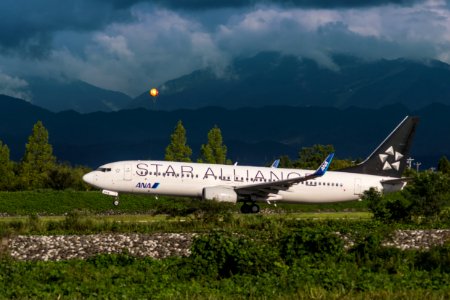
(263, 189)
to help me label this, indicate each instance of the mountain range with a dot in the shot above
(61, 95)
(268, 78)
(254, 135)
(275, 79)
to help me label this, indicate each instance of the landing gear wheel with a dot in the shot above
(245, 208)
(250, 208)
(254, 209)
(116, 202)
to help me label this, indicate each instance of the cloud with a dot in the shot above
(14, 87)
(158, 46)
(27, 27)
(208, 4)
(420, 31)
(131, 46)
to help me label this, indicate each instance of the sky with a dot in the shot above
(133, 45)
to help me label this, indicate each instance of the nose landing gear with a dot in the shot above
(112, 194)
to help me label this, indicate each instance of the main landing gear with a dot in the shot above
(116, 201)
(251, 208)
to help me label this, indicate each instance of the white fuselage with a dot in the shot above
(189, 179)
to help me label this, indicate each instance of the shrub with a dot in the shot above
(391, 208)
(223, 254)
(310, 243)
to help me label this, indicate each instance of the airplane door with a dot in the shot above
(357, 186)
(127, 172)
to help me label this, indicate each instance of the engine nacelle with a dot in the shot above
(220, 194)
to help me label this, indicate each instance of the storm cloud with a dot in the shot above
(131, 45)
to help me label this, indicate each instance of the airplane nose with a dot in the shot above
(89, 178)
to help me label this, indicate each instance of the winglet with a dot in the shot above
(324, 166)
(275, 163)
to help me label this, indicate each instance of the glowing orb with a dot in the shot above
(154, 92)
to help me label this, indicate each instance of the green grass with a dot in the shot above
(147, 218)
(49, 202)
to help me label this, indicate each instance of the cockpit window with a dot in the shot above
(104, 169)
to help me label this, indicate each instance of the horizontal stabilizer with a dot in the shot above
(397, 180)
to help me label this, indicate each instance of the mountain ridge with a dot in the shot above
(271, 78)
(57, 96)
(253, 135)
(267, 78)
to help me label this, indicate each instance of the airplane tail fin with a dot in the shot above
(389, 158)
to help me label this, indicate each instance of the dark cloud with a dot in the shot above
(27, 27)
(208, 4)
(128, 45)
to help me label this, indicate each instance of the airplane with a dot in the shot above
(381, 170)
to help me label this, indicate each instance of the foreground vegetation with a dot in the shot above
(240, 258)
(234, 256)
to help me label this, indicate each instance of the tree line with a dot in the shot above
(39, 168)
(215, 152)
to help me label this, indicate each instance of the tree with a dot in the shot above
(38, 159)
(425, 196)
(285, 162)
(444, 165)
(214, 151)
(6, 169)
(63, 176)
(429, 192)
(310, 158)
(388, 208)
(178, 150)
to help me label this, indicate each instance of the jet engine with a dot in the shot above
(220, 194)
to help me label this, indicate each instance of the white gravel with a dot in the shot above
(62, 247)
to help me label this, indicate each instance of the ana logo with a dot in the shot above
(391, 159)
(324, 165)
(147, 185)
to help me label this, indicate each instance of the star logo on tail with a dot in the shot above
(391, 159)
